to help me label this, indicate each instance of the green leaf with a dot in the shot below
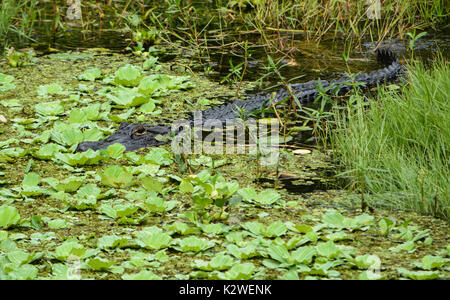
(99, 264)
(242, 271)
(128, 75)
(163, 83)
(149, 107)
(328, 249)
(91, 74)
(9, 216)
(335, 220)
(418, 275)
(112, 242)
(152, 184)
(127, 97)
(23, 272)
(117, 176)
(367, 261)
(303, 255)
(47, 151)
(266, 197)
(118, 210)
(219, 262)
(408, 246)
(337, 236)
(244, 252)
(30, 179)
(186, 186)
(68, 248)
(20, 257)
(275, 229)
(181, 228)
(89, 157)
(430, 262)
(70, 184)
(193, 244)
(76, 202)
(385, 226)
(254, 227)
(82, 115)
(89, 190)
(214, 229)
(50, 89)
(369, 275)
(58, 223)
(116, 150)
(153, 238)
(159, 156)
(6, 82)
(157, 205)
(279, 253)
(150, 62)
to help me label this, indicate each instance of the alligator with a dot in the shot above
(135, 136)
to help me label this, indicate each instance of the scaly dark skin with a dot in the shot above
(136, 136)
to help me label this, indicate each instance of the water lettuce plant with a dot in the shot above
(117, 176)
(127, 97)
(155, 204)
(275, 229)
(153, 238)
(6, 82)
(44, 91)
(89, 157)
(91, 74)
(242, 271)
(52, 108)
(219, 262)
(128, 75)
(192, 244)
(266, 197)
(9, 216)
(112, 242)
(119, 210)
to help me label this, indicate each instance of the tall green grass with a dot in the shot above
(8, 10)
(344, 18)
(395, 147)
(17, 17)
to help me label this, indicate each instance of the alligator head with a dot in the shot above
(132, 136)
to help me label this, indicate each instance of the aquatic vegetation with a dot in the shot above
(20, 59)
(6, 82)
(91, 74)
(400, 162)
(82, 158)
(50, 89)
(137, 215)
(9, 216)
(128, 75)
(153, 238)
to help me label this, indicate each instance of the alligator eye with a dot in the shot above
(140, 131)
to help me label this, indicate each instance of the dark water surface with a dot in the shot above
(305, 61)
